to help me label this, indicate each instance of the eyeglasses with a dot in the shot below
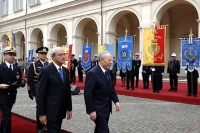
(62, 54)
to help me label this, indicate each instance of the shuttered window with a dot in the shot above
(17, 5)
(4, 7)
(32, 2)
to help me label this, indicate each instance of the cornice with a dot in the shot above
(46, 11)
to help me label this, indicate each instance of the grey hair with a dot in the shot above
(103, 54)
(52, 53)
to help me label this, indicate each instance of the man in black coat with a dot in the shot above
(95, 61)
(192, 82)
(99, 93)
(10, 80)
(80, 69)
(136, 67)
(33, 75)
(54, 93)
(113, 71)
(173, 70)
(74, 64)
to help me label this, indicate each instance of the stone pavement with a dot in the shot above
(138, 115)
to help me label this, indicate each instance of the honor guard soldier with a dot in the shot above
(74, 64)
(80, 69)
(145, 76)
(136, 66)
(156, 78)
(10, 80)
(173, 70)
(192, 82)
(33, 76)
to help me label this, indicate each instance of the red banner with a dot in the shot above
(69, 56)
(159, 54)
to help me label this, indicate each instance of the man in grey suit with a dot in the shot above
(54, 93)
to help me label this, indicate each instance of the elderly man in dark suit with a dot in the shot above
(10, 80)
(100, 92)
(53, 92)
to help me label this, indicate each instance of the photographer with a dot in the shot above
(10, 80)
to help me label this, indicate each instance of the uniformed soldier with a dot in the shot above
(136, 67)
(80, 69)
(192, 82)
(145, 76)
(156, 78)
(33, 75)
(10, 80)
(173, 70)
(95, 60)
(74, 64)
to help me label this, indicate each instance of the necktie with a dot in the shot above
(10, 67)
(107, 75)
(61, 73)
(44, 64)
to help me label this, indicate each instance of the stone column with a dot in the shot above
(45, 31)
(77, 45)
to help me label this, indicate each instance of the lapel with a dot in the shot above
(6, 69)
(102, 75)
(64, 74)
(55, 72)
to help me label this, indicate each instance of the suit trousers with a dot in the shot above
(5, 126)
(145, 81)
(101, 125)
(73, 76)
(80, 75)
(137, 78)
(54, 126)
(173, 82)
(39, 125)
(192, 86)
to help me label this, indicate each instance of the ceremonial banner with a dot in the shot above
(86, 56)
(110, 48)
(125, 53)
(69, 55)
(101, 48)
(64, 47)
(30, 56)
(154, 46)
(12, 39)
(190, 53)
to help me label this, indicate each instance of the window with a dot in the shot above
(32, 2)
(17, 5)
(4, 7)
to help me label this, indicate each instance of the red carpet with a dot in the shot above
(21, 124)
(179, 96)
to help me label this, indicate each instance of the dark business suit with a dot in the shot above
(80, 71)
(156, 78)
(74, 64)
(33, 75)
(53, 96)
(8, 96)
(99, 93)
(145, 76)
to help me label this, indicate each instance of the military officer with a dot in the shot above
(156, 78)
(136, 66)
(95, 60)
(80, 69)
(192, 82)
(33, 75)
(10, 80)
(173, 70)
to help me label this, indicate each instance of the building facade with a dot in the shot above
(62, 22)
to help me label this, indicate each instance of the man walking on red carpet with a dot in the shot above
(99, 93)
(54, 93)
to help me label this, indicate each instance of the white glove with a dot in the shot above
(185, 72)
(153, 69)
(161, 73)
(177, 74)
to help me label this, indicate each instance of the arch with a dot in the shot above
(3, 39)
(164, 6)
(19, 35)
(54, 27)
(81, 23)
(33, 33)
(120, 12)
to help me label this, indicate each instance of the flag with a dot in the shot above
(154, 46)
(125, 53)
(69, 55)
(86, 56)
(12, 39)
(101, 48)
(30, 56)
(110, 48)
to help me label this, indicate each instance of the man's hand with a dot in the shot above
(43, 119)
(69, 115)
(93, 116)
(30, 94)
(4, 86)
(118, 108)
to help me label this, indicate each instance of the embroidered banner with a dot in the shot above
(69, 55)
(125, 53)
(190, 56)
(30, 56)
(86, 56)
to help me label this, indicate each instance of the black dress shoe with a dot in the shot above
(195, 95)
(188, 95)
(175, 90)
(170, 90)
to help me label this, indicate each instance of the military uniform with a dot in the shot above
(136, 67)
(95, 61)
(33, 76)
(192, 82)
(74, 64)
(10, 74)
(145, 76)
(80, 70)
(173, 70)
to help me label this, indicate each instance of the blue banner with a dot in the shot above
(110, 48)
(190, 54)
(86, 56)
(30, 55)
(14, 39)
(125, 53)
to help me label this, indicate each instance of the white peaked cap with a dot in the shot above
(173, 54)
(79, 56)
